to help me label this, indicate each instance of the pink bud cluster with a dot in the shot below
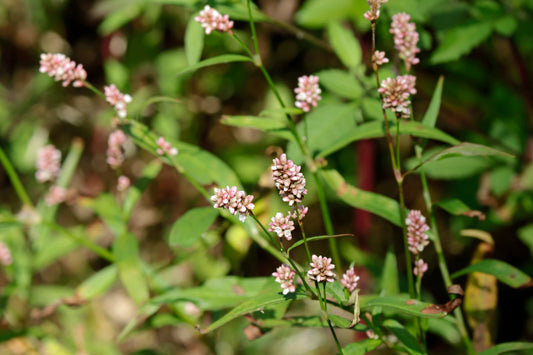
(349, 280)
(48, 163)
(165, 147)
(396, 93)
(321, 269)
(405, 38)
(5, 255)
(288, 179)
(282, 225)
(117, 99)
(420, 267)
(285, 276)
(373, 14)
(307, 93)
(378, 58)
(236, 202)
(123, 183)
(211, 19)
(417, 239)
(115, 154)
(56, 195)
(62, 68)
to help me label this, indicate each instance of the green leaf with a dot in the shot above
(126, 252)
(273, 125)
(430, 117)
(400, 304)
(467, 149)
(504, 272)
(369, 201)
(318, 13)
(389, 280)
(525, 234)
(507, 347)
(116, 73)
(361, 347)
(403, 335)
(135, 191)
(457, 207)
(341, 83)
(376, 129)
(194, 41)
(117, 19)
(345, 45)
(98, 283)
(221, 59)
(255, 304)
(189, 228)
(106, 208)
(313, 239)
(460, 40)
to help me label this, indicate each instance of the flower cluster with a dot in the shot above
(416, 231)
(285, 276)
(307, 92)
(123, 183)
(288, 179)
(299, 213)
(61, 68)
(396, 94)
(117, 99)
(5, 255)
(211, 19)
(378, 58)
(282, 226)
(237, 202)
(48, 163)
(321, 269)
(405, 38)
(417, 239)
(115, 155)
(373, 14)
(349, 280)
(165, 147)
(56, 195)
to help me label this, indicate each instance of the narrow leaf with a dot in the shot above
(504, 272)
(107, 209)
(189, 228)
(345, 45)
(361, 347)
(98, 283)
(271, 125)
(430, 117)
(369, 201)
(403, 335)
(389, 279)
(460, 40)
(341, 83)
(401, 304)
(313, 239)
(467, 149)
(194, 41)
(457, 207)
(134, 192)
(507, 348)
(222, 59)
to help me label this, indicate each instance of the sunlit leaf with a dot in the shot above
(98, 283)
(316, 238)
(507, 348)
(189, 228)
(467, 149)
(341, 83)
(504, 272)
(400, 304)
(221, 59)
(318, 13)
(135, 191)
(272, 125)
(345, 45)
(361, 347)
(126, 252)
(194, 41)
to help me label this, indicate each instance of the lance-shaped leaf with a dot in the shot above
(504, 272)
(401, 304)
(361, 347)
(345, 45)
(504, 348)
(314, 239)
(221, 59)
(190, 227)
(369, 201)
(98, 283)
(430, 117)
(273, 125)
(459, 208)
(409, 342)
(194, 41)
(135, 191)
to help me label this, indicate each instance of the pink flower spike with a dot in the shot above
(123, 183)
(282, 226)
(115, 154)
(117, 99)
(321, 269)
(396, 93)
(417, 237)
(48, 163)
(165, 147)
(61, 68)
(5, 255)
(373, 14)
(349, 280)
(285, 276)
(378, 58)
(307, 92)
(288, 179)
(420, 268)
(236, 202)
(56, 195)
(211, 19)
(405, 39)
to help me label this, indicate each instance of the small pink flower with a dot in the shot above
(321, 269)
(416, 231)
(373, 14)
(282, 226)
(299, 213)
(307, 92)
(378, 58)
(123, 183)
(56, 195)
(115, 154)
(349, 280)
(420, 268)
(165, 147)
(396, 93)
(285, 276)
(211, 19)
(236, 202)
(48, 163)
(405, 39)
(117, 99)
(288, 179)
(5, 255)
(61, 68)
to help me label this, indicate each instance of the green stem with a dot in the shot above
(339, 347)
(304, 237)
(17, 184)
(91, 87)
(267, 233)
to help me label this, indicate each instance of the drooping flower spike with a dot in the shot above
(288, 179)
(285, 276)
(165, 147)
(211, 20)
(115, 155)
(48, 163)
(417, 227)
(117, 99)
(62, 68)
(236, 202)
(405, 39)
(321, 269)
(307, 93)
(373, 14)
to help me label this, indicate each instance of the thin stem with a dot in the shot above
(267, 233)
(91, 87)
(304, 237)
(339, 347)
(17, 184)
